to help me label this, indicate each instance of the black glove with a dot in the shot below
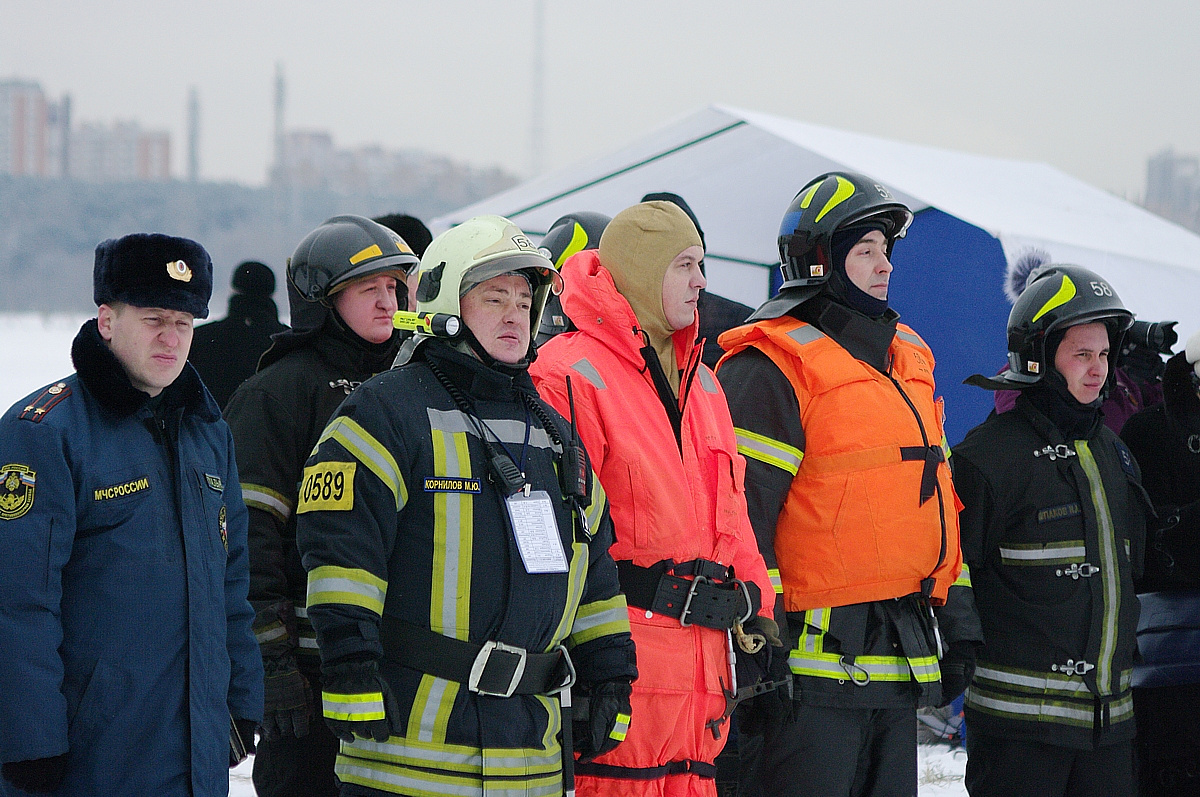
(769, 664)
(37, 775)
(356, 701)
(957, 666)
(287, 700)
(604, 723)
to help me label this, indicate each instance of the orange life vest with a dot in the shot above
(855, 526)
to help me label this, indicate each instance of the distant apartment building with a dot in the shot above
(122, 151)
(38, 140)
(1173, 188)
(34, 139)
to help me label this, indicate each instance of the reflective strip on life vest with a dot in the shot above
(370, 452)
(756, 446)
(267, 500)
(353, 708)
(706, 380)
(1110, 573)
(346, 585)
(1050, 553)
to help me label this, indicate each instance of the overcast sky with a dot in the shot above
(1090, 87)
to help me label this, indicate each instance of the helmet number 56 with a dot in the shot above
(1101, 288)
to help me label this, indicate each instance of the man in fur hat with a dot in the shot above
(124, 625)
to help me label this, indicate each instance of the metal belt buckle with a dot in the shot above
(687, 603)
(484, 658)
(569, 678)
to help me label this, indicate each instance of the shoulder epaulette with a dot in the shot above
(47, 400)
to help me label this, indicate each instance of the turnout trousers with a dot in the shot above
(999, 767)
(858, 752)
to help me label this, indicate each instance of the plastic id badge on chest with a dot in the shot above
(536, 531)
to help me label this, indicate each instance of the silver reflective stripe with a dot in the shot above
(806, 334)
(437, 693)
(616, 614)
(257, 497)
(397, 747)
(511, 432)
(829, 665)
(271, 634)
(766, 450)
(706, 380)
(378, 775)
(1109, 571)
(589, 372)
(1051, 553)
(910, 337)
(1027, 680)
(308, 642)
(329, 584)
(301, 611)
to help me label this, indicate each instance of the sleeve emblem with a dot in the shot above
(17, 484)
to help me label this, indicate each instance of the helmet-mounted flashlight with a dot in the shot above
(442, 325)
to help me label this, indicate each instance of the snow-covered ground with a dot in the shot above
(939, 773)
(36, 349)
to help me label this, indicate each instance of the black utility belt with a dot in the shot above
(698, 592)
(493, 668)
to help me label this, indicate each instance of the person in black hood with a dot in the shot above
(226, 352)
(345, 282)
(1053, 530)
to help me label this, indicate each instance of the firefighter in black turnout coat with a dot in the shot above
(1053, 532)
(342, 287)
(457, 548)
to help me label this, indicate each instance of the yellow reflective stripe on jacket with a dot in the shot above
(964, 578)
(453, 537)
(814, 620)
(346, 585)
(595, 511)
(370, 452)
(756, 446)
(1080, 713)
(1035, 682)
(1110, 572)
(404, 766)
(576, 580)
(267, 500)
(594, 620)
(429, 715)
(776, 579)
(271, 632)
(354, 708)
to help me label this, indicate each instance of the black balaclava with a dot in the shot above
(1052, 397)
(840, 285)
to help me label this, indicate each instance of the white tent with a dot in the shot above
(739, 169)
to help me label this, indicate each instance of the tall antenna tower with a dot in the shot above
(537, 132)
(280, 95)
(193, 127)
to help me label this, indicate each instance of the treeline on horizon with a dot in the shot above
(49, 228)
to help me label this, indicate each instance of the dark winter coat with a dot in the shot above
(277, 416)
(124, 624)
(226, 352)
(718, 314)
(1053, 530)
(418, 533)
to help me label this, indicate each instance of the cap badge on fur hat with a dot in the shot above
(178, 270)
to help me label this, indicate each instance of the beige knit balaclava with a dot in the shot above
(636, 248)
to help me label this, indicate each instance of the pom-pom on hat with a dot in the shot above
(153, 270)
(254, 278)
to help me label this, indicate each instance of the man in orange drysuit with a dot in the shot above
(655, 422)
